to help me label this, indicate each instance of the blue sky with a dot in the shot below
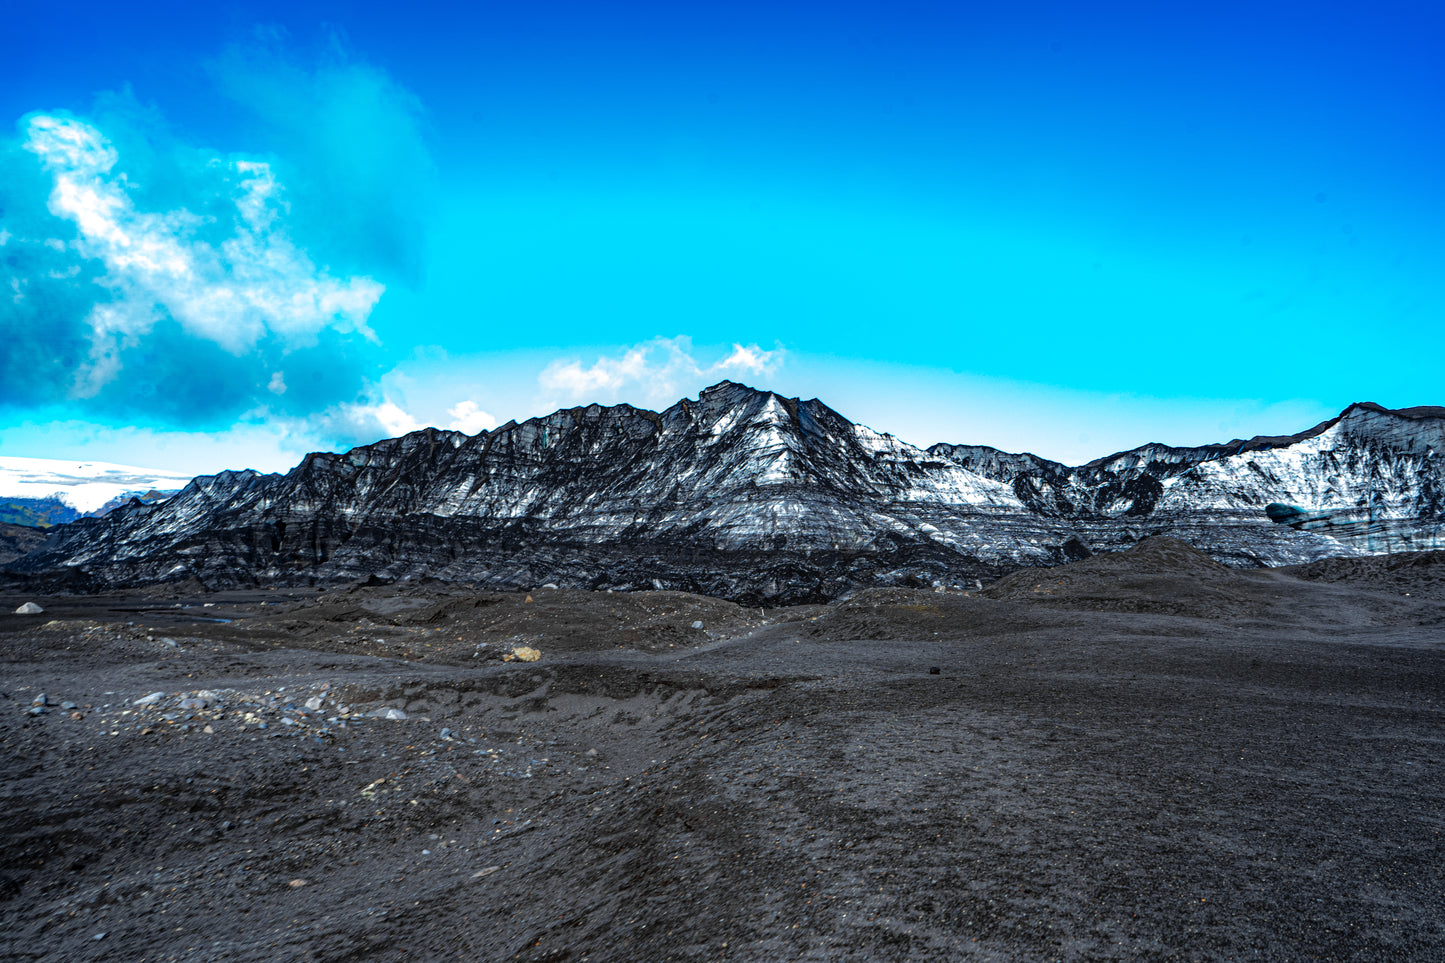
(236, 234)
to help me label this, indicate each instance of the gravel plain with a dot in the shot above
(1142, 756)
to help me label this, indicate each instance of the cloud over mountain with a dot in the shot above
(141, 273)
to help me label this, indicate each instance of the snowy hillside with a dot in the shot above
(77, 488)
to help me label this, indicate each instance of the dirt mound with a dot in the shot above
(1417, 574)
(17, 540)
(1159, 576)
(455, 626)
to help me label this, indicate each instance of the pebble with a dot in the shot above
(40, 700)
(389, 713)
(29, 608)
(314, 703)
(697, 624)
(149, 700)
(447, 734)
(37, 710)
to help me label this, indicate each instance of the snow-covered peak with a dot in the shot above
(85, 486)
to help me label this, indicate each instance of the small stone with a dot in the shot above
(209, 731)
(149, 700)
(527, 599)
(697, 624)
(389, 713)
(67, 706)
(287, 721)
(934, 671)
(550, 585)
(296, 883)
(40, 700)
(37, 710)
(447, 734)
(525, 653)
(99, 936)
(590, 752)
(29, 608)
(314, 703)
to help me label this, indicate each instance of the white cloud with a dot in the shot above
(395, 420)
(659, 371)
(277, 384)
(468, 417)
(352, 424)
(750, 358)
(233, 283)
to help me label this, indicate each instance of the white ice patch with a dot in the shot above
(83, 485)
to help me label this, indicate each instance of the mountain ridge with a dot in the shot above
(746, 494)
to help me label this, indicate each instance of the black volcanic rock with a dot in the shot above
(18, 540)
(747, 495)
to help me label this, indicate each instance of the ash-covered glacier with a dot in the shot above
(747, 495)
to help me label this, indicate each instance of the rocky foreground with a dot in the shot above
(1138, 756)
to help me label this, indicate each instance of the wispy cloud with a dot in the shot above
(468, 417)
(146, 278)
(658, 371)
(232, 284)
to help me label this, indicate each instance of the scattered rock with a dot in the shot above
(37, 710)
(40, 700)
(314, 703)
(296, 883)
(149, 700)
(29, 608)
(524, 653)
(550, 585)
(697, 624)
(485, 872)
(389, 713)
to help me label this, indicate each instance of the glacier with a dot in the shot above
(749, 495)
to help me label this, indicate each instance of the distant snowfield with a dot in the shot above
(83, 485)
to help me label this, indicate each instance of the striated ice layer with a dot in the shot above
(748, 495)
